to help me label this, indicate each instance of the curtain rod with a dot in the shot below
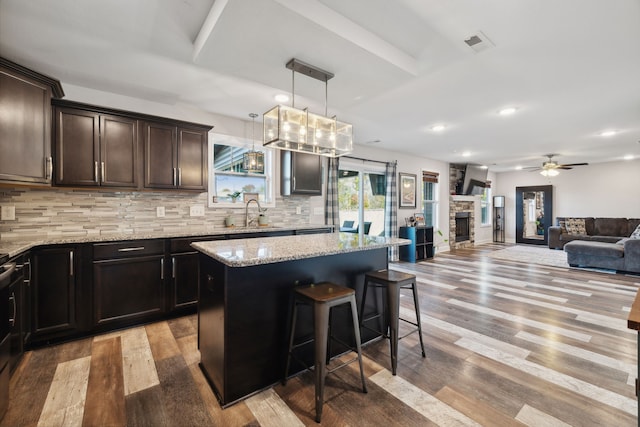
(367, 160)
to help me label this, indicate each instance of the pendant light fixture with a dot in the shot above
(289, 128)
(252, 160)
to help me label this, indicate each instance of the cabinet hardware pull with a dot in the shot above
(173, 267)
(71, 263)
(95, 171)
(12, 298)
(137, 248)
(174, 177)
(48, 168)
(161, 268)
(179, 176)
(102, 171)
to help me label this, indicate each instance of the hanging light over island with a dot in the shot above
(289, 128)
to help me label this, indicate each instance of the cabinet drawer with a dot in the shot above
(127, 249)
(183, 244)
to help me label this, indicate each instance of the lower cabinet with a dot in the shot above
(184, 272)
(128, 282)
(54, 298)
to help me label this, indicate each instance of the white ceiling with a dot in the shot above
(570, 67)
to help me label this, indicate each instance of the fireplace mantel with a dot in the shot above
(461, 198)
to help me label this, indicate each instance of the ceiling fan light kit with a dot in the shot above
(289, 128)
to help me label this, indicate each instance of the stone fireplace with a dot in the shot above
(461, 222)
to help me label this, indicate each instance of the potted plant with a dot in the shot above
(234, 196)
(441, 240)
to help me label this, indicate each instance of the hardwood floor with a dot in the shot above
(507, 344)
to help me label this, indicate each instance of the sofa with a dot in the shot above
(606, 230)
(610, 243)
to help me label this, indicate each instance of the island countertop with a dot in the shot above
(267, 250)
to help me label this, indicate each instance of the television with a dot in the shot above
(475, 180)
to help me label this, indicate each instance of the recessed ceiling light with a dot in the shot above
(629, 157)
(438, 128)
(466, 153)
(607, 133)
(519, 168)
(507, 111)
(282, 98)
(484, 167)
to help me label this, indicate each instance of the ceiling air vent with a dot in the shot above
(479, 42)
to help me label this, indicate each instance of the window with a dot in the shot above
(226, 175)
(485, 205)
(430, 198)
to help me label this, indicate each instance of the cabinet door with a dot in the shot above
(25, 132)
(128, 290)
(160, 170)
(192, 159)
(53, 291)
(77, 147)
(184, 275)
(301, 173)
(118, 151)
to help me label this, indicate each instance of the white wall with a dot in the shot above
(598, 190)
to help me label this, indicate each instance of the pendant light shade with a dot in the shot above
(289, 128)
(252, 160)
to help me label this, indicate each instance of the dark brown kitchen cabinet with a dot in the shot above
(301, 173)
(93, 149)
(175, 157)
(128, 282)
(53, 292)
(25, 132)
(20, 291)
(184, 272)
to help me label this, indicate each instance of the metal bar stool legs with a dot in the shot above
(323, 298)
(393, 282)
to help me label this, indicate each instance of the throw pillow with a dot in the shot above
(563, 226)
(575, 226)
(636, 233)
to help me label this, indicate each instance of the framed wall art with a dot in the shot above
(407, 190)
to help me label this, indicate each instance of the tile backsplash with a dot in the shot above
(53, 213)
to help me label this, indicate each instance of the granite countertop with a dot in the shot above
(14, 247)
(248, 252)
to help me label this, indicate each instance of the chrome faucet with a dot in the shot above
(246, 211)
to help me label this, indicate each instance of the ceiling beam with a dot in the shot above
(207, 27)
(352, 32)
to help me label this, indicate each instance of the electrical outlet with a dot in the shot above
(298, 210)
(196, 210)
(8, 213)
(160, 211)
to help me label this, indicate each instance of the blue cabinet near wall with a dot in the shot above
(421, 246)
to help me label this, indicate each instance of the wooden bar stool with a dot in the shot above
(322, 297)
(392, 281)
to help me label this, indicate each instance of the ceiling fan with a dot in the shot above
(550, 167)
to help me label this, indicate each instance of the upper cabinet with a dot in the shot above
(301, 173)
(25, 124)
(102, 147)
(94, 149)
(175, 156)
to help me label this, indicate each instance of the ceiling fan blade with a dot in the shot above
(565, 167)
(576, 164)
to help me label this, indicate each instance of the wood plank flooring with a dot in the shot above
(508, 344)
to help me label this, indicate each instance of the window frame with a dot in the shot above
(434, 202)
(247, 143)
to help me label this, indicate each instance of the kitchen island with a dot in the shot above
(245, 301)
